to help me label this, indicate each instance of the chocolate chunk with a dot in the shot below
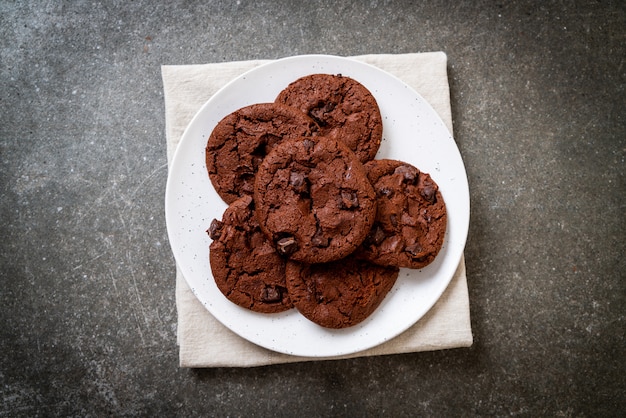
(409, 174)
(298, 181)
(385, 191)
(349, 199)
(392, 244)
(428, 192)
(319, 113)
(376, 236)
(286, 245)
(271, 295)
(416, 251)
(215, 230)
(308, 144)
(319, 239)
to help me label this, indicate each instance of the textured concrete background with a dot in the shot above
(87, 313)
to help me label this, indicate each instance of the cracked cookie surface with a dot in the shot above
(340, 294)
(411, 216)
(313, 200)
(241, 140)
(246, 267)
(343, 108)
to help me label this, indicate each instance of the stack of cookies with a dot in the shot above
(314, 221)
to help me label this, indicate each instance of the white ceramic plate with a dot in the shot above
(412, 132)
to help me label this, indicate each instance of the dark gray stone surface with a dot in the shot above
(87, 312)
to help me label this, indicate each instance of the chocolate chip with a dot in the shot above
(308, 144)
(271, 295)
(376, 235)
(393, 219)
(429, 192)
(306, 159)
(286, 245)
(319, 113)
(319, 240)
(385, 191)
(416, 251)
(426, 215)
(215, 230)
(349, 199)
(297, 180)
(245, 183)
(409, 174)
(319, 298)
(390, 245)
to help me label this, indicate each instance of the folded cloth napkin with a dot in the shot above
(205, 342)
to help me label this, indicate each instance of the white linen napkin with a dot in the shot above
(205, 342)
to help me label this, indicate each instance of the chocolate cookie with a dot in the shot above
(240, 141)
(246, 267)
(342, 107)
(313, 199)
(411, 216)
(339, 294)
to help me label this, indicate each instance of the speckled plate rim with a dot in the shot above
(412, 132)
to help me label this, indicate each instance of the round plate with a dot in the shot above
(412, 132)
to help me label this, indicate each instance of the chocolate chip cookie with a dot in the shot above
(340, 294)
(246, 267)
(411, 216)
(343, 108)
(240, 141)
(313, 199)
